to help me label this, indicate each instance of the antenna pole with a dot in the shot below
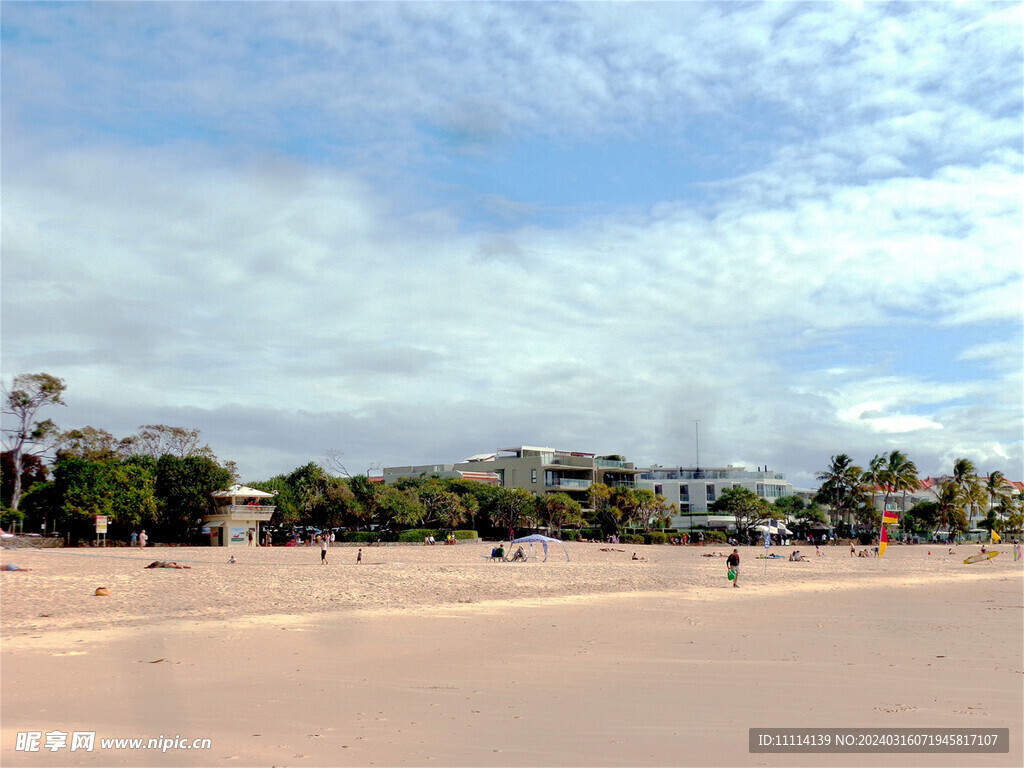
(696, 430)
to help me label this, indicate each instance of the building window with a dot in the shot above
(711, 492)
(684, 493)
(501, 476)
(533, 475)
(658, 491)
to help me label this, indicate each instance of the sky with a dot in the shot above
(414, 232)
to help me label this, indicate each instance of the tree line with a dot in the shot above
(161, 478)
(961, 497)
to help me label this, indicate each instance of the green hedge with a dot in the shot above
(632, 538)
(655, 537)
(418, 534)
(712, 536)
(358, 537)
(591, 534)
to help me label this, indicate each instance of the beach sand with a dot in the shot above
(436, 656)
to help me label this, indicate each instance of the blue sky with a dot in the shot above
(413, 232)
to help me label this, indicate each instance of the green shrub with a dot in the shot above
(570, 535)
(714, 536)
(418, 534)
(594, 534)
(655, 537)
(464, 535)
(631, 538)
(358, 537)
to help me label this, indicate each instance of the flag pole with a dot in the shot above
(883, 540)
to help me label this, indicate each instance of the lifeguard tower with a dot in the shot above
(237, 515)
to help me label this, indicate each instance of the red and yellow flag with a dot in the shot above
(883, 542)
(890, 517)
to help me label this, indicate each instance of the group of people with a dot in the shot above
(139, 539)
(325, 542)
(498, 553)
(429, 541)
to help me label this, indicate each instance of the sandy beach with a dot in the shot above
(437, 656)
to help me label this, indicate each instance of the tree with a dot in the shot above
(90, 443)
(922, 518)
(749, 509)
(809, 518)
(510, 507)
(158, 440)
(183, 487)
(997, 487)
(333, 463)
(309, 487)
(648, 507)
(950, 507)
(970, 491)
(874, 477)
(841, 486)
(286, 510)
(559, 510)
(900, 475)
(804, 515)
(440, 507)
(32, 471)
(30, 393)
(623, 504)
(385, 505)
(121, 490)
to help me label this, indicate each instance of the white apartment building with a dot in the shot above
(692, 491)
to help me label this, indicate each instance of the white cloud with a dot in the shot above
(235, 216)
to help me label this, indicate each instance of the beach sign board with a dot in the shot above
(101, 524)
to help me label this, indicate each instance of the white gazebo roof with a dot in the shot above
(241, 490)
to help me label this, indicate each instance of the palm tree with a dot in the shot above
(901, 475)
(841, 486)
(996, 486)
(950, 506)
(875, 476)
(969, 487)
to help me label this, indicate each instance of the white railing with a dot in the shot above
(568, 482)
(233, 508)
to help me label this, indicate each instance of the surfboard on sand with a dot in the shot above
(979, 557)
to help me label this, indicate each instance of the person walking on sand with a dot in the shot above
(733, 564)
(323, 551)
(135, 538)
(359, 556)
(143, 538)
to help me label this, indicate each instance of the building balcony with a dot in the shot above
(611, 464)
(569, 483)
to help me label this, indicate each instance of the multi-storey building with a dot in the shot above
(692, 491)
(539, 470)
